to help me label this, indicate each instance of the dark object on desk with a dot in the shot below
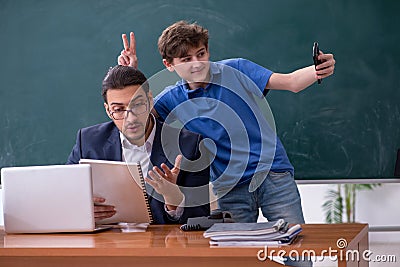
(315, 57)
(205, 222)
(397, 167)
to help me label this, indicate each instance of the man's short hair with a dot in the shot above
(119, 77)
(176, 40)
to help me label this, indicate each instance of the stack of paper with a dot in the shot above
(252, 234)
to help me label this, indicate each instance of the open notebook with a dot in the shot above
(122, 185)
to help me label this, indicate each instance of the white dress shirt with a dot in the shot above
(132, 153)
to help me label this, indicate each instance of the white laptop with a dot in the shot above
(45, 199)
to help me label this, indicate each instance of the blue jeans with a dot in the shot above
(277, 196)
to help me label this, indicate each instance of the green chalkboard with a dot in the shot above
(54, 54)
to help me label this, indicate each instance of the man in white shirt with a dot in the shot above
(175, 192)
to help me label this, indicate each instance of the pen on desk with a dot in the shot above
(284, 228)
(278, 225)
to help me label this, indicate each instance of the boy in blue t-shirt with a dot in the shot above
(249, 168)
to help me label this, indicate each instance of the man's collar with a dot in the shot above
(149, 141)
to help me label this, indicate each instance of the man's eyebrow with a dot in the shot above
(123, 104)
(139, 97)
(116, 103)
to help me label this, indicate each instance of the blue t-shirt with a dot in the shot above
(233, 117)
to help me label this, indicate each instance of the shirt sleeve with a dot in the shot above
(162, 105)
(257, 75)
(175, 215)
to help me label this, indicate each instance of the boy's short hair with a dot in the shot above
(177, 39)
(119, 77)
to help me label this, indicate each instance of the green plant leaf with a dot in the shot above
(333, 207)
(366, 186)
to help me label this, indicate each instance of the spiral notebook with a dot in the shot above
(122, 185)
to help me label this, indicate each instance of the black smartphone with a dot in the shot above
(315, 57)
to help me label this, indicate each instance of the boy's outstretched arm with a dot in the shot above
(302, 78)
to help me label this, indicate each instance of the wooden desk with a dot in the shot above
(164, 245)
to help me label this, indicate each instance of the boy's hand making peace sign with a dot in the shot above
(128, 54)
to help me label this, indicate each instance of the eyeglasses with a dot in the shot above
(136, 109)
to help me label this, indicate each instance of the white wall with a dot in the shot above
(312, 197)
(379, 207)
